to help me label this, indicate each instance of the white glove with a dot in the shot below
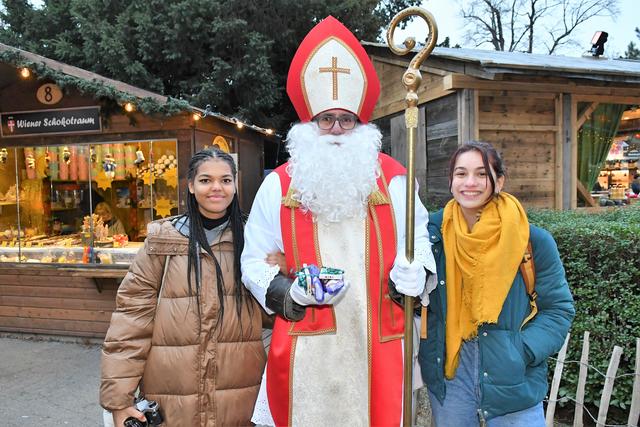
(330, 294)
(409, 278)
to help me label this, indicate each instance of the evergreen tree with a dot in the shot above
(232, 54)
(632, 51)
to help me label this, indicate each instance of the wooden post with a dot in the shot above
(582, 381)
(608, 385)
(555, 384)
(634, 410)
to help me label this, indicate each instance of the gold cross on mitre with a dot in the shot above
(334, 69)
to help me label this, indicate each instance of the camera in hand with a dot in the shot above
(151, 411)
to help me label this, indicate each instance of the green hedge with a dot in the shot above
(601, 255)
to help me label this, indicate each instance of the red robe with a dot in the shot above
(385, 318)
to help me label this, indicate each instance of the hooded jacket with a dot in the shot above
(200, 372)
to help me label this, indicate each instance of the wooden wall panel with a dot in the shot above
(516, 108)
(442, 141)
(530, 159)
(54, 303)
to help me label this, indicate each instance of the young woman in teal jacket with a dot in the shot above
(483, 360)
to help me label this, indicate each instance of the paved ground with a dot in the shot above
(48, 383)
(55, 383)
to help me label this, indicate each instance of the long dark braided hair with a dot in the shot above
(198, 238)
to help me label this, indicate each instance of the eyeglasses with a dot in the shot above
(346, 121)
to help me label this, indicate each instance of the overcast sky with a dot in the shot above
(621, 29)
(447, 15)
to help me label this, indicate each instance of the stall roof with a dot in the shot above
(489, 64)
(125, 88)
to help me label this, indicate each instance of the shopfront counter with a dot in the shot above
(58, 299)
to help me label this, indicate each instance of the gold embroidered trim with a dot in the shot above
(292, 359)
(334, 70)
(309, 333)
(378, 198)
(366, 269)
(391, 338)
(393, 215)
(294, 240)
(289, 201)
(316, 244)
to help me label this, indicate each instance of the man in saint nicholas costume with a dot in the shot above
(336, 354)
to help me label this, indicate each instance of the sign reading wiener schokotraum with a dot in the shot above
(44, 122)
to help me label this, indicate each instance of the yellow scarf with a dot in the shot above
(481, 265)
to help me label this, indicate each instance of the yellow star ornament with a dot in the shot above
(163, 207)
(171, 177)
(148, 178)
(103, 180)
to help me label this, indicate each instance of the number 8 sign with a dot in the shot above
(49, 94)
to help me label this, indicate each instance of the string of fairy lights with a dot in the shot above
(197, 114)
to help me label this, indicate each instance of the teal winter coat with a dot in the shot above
(513, 359)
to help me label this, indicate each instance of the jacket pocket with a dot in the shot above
(503, 357)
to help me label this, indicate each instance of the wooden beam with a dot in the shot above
(574, 154)
(585, 195)
(430, 94)
(510, 127)
(565, 176)
(404, 64)
(608, 99)
(586, 114)
(467, 117)
(629, 94)
(558, 156)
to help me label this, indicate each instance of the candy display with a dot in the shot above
(64, 156)
(119, 160)
(73, 163)
(30, 163)
(83, 163)
(54, 166)
(45, 208)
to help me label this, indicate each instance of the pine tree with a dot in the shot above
(231, 54)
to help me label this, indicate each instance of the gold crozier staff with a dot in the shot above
(411, 80)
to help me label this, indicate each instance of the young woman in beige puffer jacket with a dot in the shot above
(192, 345)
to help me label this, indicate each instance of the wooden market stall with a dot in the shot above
(72, 143)
(531, 107)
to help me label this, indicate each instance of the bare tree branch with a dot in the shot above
(578, 12)
(526, 24)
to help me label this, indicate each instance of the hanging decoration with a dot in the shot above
(66, 155)
(139, 157)
(109, 165)
(171, 177)
(163, 207)
(31, 161)
(4, 154)
(103, 181)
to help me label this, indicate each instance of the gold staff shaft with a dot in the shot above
(411, 80)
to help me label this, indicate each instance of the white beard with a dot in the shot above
(333, 175)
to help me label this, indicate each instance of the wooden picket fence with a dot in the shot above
(610, 377)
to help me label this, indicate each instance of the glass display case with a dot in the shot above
(84, 203)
